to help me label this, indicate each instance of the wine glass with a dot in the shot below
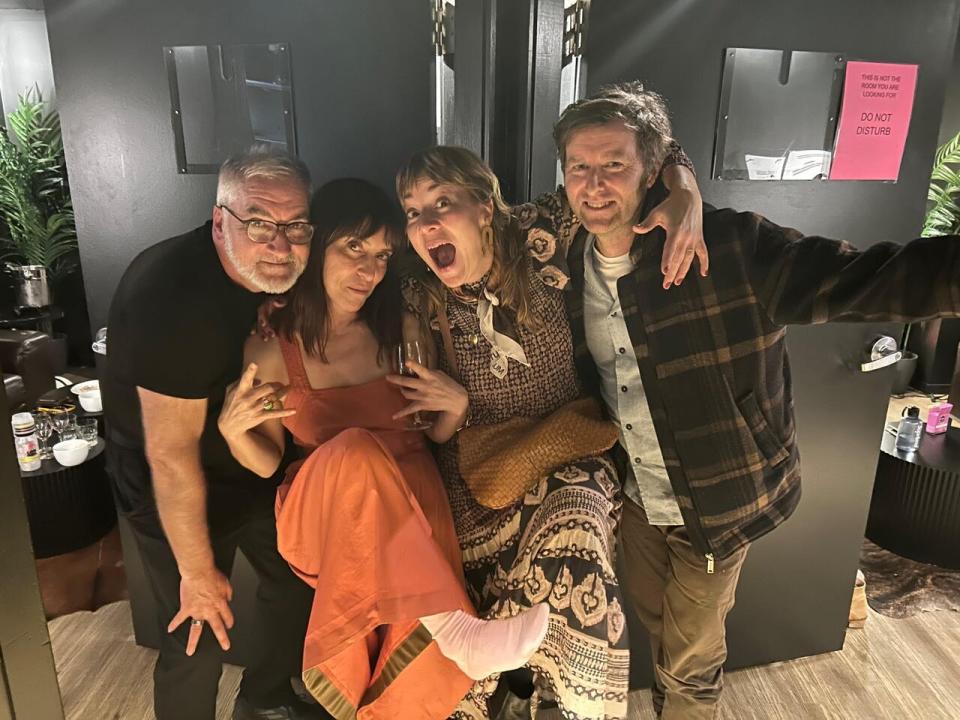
(44, 430)
(62, 421)
(403, 352)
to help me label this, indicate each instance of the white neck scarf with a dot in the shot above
(502, 346)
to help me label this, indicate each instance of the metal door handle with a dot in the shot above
(871, 365)
(880, 353)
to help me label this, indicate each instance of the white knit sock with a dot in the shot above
(484, 647)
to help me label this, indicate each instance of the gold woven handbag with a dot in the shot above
(499, 463)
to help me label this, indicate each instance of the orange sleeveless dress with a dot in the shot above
(364, 519)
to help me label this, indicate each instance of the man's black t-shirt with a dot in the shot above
(177, 326)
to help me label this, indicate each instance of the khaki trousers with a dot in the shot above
(684, 610)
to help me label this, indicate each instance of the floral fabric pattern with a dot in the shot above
(556, 544)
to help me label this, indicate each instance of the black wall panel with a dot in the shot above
(361, 92)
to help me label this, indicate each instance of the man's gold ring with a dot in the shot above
(268, 404)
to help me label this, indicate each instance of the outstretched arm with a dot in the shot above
(809, 279)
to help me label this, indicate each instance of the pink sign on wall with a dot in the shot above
(874, 121)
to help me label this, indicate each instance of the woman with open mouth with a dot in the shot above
(494, 315)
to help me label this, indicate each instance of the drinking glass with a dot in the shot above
(87, 429)
(403, 352)
(70, 433)
(63, 424)
(44, 427)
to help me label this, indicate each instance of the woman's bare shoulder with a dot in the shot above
(268, 356)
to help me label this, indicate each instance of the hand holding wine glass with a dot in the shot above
(430, 391)
(405, 353)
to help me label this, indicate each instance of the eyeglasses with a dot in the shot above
(264, 231)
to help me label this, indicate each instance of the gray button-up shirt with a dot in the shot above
(622, 388)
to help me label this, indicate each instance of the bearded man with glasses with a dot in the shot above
(177, 325)
(269, 275)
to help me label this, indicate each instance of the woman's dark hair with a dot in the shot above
(341, 208)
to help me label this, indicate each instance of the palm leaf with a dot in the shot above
(949, 152)
(943, 214)
(34, 196)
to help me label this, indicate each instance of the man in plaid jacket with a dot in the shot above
(698, 377)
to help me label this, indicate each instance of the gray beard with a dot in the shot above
(249, 272)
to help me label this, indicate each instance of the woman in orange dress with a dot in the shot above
(363, 517)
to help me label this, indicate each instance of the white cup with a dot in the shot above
(71, 452)
(91, 401)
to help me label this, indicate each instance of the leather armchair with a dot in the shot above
(29, 360)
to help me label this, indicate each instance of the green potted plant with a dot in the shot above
(942, 218)
(39, 240)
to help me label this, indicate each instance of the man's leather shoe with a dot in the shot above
(243, 709)
(504, 705)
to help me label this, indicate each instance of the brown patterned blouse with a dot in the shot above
(535, 391)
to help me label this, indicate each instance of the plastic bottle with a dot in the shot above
(25, 438)
(908, 433)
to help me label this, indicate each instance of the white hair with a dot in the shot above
(260, 160)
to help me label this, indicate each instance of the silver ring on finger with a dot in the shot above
(195, 622)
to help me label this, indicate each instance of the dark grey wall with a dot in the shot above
(795, 592)
(677, 48)
(361, 92)
(21, 4)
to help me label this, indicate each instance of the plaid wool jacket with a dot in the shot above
(712, 352)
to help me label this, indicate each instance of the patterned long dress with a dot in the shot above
(557, 543)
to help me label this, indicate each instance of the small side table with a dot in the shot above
(915, 509)
(63, 395)
(69, 507)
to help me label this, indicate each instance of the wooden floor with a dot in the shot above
(104, 675)
(892, 669)
(889, 670)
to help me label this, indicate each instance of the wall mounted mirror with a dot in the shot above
(778, 114)
(223, 98)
